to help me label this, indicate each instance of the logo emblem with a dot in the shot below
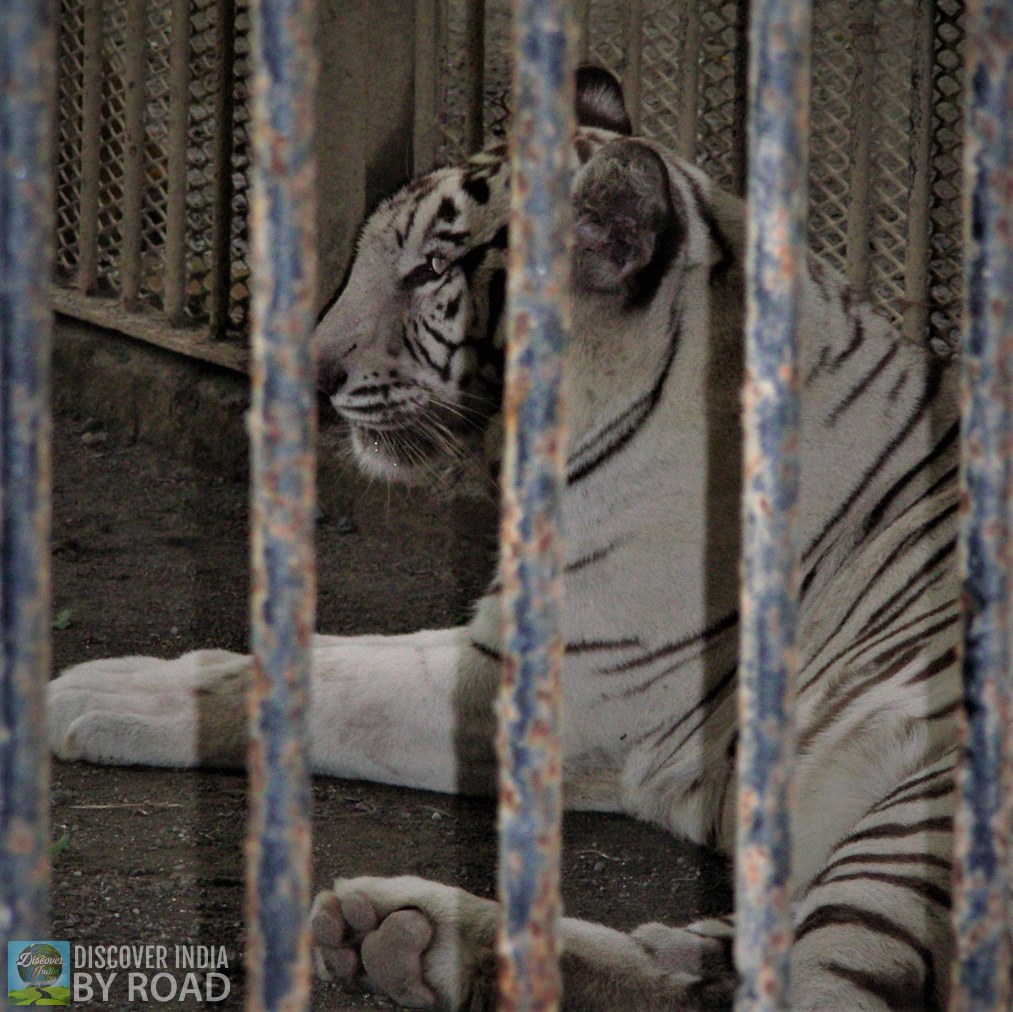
(38, 973)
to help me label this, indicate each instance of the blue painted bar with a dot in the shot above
(983, 972)
(778, 139)
(282, 433)
(27, 69)
(530, 753)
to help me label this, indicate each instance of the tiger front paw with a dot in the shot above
(422, 944)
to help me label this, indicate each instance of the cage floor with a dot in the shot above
(150, 557)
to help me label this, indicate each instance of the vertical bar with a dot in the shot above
(916, 260)
(221, 224)
(633, 46)
(133, 158)
(91, 161)
(982, 973)
(530, 756)
(863, 32)
(282, 434)
(27, 66)
(474, 74)
(778, 124)
(740, 108)
(689, 82)
(430, 44)
(582, 12)
(179, 120)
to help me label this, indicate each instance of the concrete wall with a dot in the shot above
(365, 110)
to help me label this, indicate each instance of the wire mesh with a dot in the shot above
(691, 93)
(97, 153)
(864, 99)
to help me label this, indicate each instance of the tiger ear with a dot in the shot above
(627, 223)
(600, 101)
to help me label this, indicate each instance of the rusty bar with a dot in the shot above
(135, 95)
(916, 259)
(28, 66)
(778, 133)
(91, 158)
(981, 897)
(633, 52)
(530, 756)
(474, 74)
(282, 435)
(863, 32)
(221, 223)
(179, 121)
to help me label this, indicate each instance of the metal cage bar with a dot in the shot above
(221, 225)
(863, 30)
(135, 93)
(28, 58)
(430, 45)
(282, 433)
(91, 163)
(775, 258)
(474, 55)
(982, 976)
(530, 754)
(179, 114)
(914, 323)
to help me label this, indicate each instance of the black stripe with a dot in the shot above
(485, 651)
(898, 552)
(876, 619)
(894, 994)
(591, 558)
(910, 784)
(868, 641)
(877, 512)
(895, 830)
(927, 397)
(927, 890)
(726, 255)
(591, 646)
(933, 860)
(857, 339)
(723, 624)
(651, 402)
(860, 387)
(437, 336)
(726, 681)
(457, 238)
(843, 915)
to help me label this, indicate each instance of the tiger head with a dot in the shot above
(411, 355)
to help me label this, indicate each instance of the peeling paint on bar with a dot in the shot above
(778, 135)
(27, 67)
(538, 320)
(982, 974)
(282, 432)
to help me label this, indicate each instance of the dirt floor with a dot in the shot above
(150, 557)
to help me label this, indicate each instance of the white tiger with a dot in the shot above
(412, 350)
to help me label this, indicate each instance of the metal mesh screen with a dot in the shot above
(153, 165)
(868, 213)
(152, 168)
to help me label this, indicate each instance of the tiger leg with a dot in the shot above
(414, 710)
(873, 926)
(427, 945)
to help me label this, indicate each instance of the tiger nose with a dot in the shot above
(331, 375)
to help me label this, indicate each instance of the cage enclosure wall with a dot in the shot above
(153, 172)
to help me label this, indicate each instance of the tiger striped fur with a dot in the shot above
(411, 356)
